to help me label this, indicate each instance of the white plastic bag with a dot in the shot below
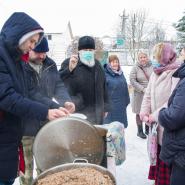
(152, 144)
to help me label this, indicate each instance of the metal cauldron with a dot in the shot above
(66, 139)
(60, 142)
(69, 166)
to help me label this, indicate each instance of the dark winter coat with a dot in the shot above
(87, 88)
(49, 85)
(13, 92)
(173, 121)
(118, 96)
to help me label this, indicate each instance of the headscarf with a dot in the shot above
(168, 59)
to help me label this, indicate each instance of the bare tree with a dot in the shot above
(140, 33)
(73, 47)
(155, 34)
(135, 32)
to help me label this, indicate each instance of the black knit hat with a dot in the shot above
(42, 47)
(86, 42)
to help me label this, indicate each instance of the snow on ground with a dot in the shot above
(134, 170)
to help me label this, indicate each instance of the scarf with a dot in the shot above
(25, 58)
(119, 71)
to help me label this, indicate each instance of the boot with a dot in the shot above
(140, 132)
(140, 127)
(146, 129)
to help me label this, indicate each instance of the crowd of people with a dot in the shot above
(33, 92)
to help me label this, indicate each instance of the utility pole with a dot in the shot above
(122, 37)
(133, 35)
(121, 34)
(123, 23)
(133, 29)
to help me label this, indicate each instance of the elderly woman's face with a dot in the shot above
(143, 59)
(29, 44)
(114, 64)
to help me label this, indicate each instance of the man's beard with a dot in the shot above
(37, 61)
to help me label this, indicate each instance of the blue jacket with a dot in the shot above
(49, 85)
(118, 95)
(172, 119)
(14, 103)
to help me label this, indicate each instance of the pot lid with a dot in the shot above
(66, 139)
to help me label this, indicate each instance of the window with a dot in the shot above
(49, 37)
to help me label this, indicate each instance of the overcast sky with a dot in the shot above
(95, 17)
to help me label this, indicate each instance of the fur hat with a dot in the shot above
(86, 42)
(42, 47)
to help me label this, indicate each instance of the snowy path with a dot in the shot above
(134, 171)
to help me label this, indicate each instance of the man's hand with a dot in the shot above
(73, 62)
(70, 106)
(56, 113)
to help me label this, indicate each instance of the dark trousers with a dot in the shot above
(177, 175)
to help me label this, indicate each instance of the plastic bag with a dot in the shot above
(152, 144)
(115, 141)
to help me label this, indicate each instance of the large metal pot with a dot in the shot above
(60, 142)
(66, 139)
(69, 166)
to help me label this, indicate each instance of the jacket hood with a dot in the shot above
(18, 24)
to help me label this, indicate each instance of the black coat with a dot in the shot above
(87, 88)
(173, 121)
(48, 85)
(14, 103)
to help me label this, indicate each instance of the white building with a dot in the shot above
(57, 49)
(58, 43)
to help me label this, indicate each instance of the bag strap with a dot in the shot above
(147, 77)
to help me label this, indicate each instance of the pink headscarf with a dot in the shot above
(168, 59)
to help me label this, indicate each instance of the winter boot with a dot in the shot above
(146, 129)
(140, 132)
